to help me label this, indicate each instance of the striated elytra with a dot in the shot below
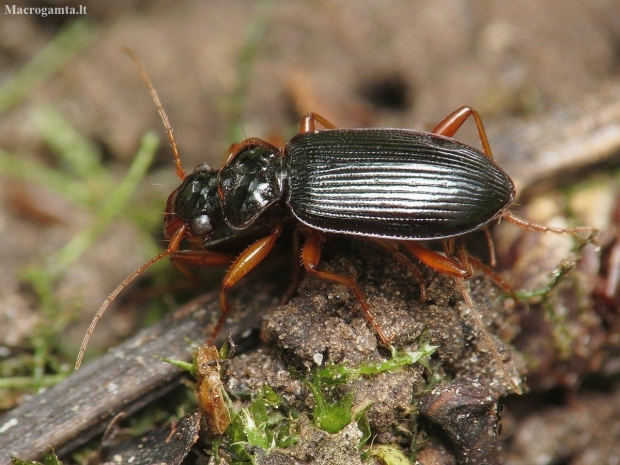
(392, 184)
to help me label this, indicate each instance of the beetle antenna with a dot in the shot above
(162, 113)
(173, 246)
(137, 272)
(485, 334)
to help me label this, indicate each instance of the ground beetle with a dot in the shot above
(395, 187)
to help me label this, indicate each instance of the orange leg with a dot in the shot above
(455, 120)
(486, 336)
(497, 279)
(591, 232)
(311, 256)
(491, 247)
(199, 258)
(308, 123)
(392, 248)
(298, 269)
(461, 270)
(437, 261)
(448, 247)
(246, 262)
(471, 262)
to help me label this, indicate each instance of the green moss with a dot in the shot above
(48, 459)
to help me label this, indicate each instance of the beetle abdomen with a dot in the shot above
(392, 183)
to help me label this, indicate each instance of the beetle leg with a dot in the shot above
(437, 261)
(461, 271)
(472, 262)
(491, 247)
(591, 232)
(244, 263)
(448, 247)
(297, 268)
(491, 344)
(455, 120)
(182, 269)
(199, 258)
(392, 248)
(308, 123)
(496, 278)
(311, 256)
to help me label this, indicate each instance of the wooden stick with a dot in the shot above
(125, 379)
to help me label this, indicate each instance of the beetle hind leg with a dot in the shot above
(455, 120)
(309, 121)
(311, 256)
(460, 268)
(438, 262)
(578, 232)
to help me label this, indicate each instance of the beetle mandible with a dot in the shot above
(395, 187)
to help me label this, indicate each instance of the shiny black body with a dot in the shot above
(387, 183)
(392, 183)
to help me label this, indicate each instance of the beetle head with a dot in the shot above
(195, 204)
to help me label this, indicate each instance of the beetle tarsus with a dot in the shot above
(578, 232)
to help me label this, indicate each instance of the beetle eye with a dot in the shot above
(201, 225)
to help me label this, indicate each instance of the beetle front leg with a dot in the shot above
(455, 120)
(246, 262)
(311, 256)
(200, 258)
(308, 123)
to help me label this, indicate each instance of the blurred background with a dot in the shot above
(83, 182)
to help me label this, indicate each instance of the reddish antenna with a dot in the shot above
(175, 241)
(160, 109)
